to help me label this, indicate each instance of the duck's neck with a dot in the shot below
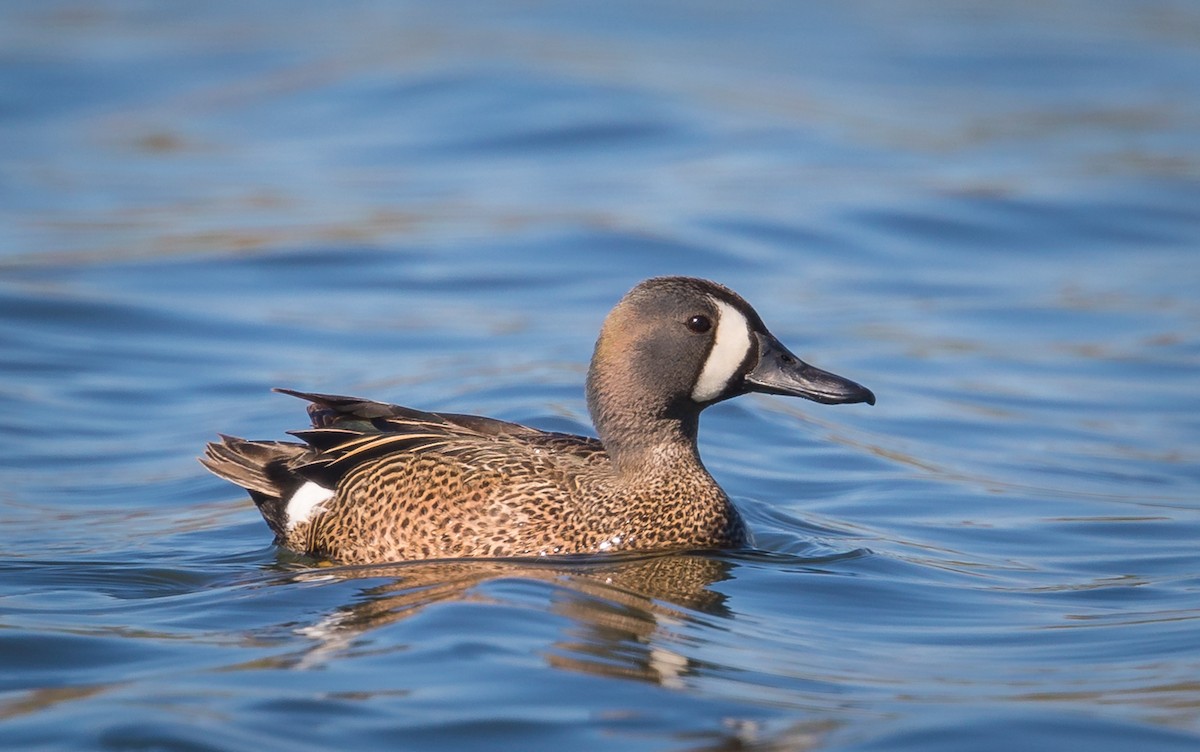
(641, 442)
(640, 424)
(664, 496)
(667, 499)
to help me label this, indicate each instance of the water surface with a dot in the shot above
(986, 214)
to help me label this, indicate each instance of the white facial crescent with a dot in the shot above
(729, 349)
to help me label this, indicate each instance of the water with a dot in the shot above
(989, 214)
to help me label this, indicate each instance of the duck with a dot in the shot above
(371, 482)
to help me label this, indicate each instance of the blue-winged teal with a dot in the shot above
(373, 482)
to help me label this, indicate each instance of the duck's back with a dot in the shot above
(409, 484)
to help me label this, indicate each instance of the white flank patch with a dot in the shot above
(729, 350)
(306, 502)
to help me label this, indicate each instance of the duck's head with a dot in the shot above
(675, 345)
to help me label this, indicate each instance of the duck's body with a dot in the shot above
(418, 485)
(374, 482)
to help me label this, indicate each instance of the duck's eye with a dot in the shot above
(699, 324)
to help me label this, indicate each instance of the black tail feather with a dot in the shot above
(263, 468)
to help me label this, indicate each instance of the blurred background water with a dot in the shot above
(987, 213)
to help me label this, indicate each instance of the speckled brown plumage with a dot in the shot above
(406, 484)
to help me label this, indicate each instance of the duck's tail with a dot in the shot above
(264, 468)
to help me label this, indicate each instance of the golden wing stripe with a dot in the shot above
(372, 443)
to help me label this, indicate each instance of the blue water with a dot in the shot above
(987, 213)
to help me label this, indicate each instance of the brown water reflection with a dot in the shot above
(618, 607)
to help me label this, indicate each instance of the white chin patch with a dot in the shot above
(729, 350)
(306, 503)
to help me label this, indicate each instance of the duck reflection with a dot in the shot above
(620, 608)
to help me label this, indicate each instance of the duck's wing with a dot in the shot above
(369, 416)
(349, 430)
